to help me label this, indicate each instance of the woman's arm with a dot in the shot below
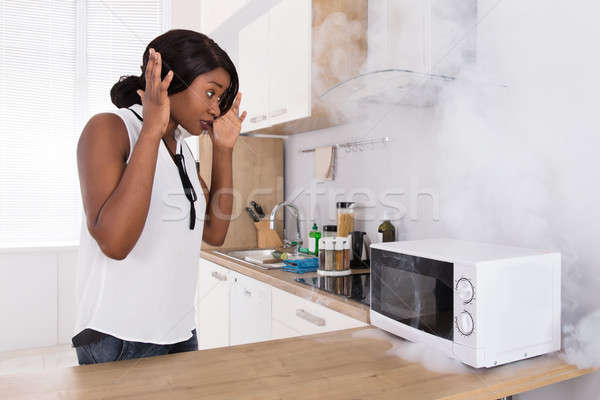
(116, 195)
(219, 204)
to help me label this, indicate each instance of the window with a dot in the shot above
(58, 62)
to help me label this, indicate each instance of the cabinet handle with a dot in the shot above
(247, 292)
(279, 112)
(258, 118)
(218, 276)
(313, 319)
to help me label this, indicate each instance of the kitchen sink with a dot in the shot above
(253, 257)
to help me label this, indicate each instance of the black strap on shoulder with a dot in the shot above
(136, 114)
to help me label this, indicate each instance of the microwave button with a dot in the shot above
(464, 323)
(465, 290)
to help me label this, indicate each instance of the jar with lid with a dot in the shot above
(329, 230)
(345, 215)
(347, 254)
(340, 245)
(326, 254)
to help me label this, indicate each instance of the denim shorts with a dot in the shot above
(110, 348)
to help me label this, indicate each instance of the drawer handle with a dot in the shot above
(279, 112)
(247, 292)
(258, 119)
(218, 276)
(313, 319)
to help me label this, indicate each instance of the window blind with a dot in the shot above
(58, 61)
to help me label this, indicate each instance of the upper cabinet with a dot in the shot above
(274, 65)
(215, 12)
(288, 53)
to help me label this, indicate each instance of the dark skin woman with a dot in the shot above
(116, 195)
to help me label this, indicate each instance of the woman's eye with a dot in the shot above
(210, 94)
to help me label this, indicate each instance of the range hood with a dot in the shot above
(413, 48)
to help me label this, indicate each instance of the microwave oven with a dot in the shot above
(481, 304)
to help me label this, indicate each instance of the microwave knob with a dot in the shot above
(465, 290)
(464, 323)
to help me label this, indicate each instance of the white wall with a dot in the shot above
(515, 165)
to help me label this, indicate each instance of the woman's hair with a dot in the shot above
(188, 54)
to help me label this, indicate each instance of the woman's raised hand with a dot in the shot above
(155, 99)
(226, 128)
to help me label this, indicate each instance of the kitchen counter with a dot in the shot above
(286, 281)
(347, 364)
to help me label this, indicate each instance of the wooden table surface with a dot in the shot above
(349, 364)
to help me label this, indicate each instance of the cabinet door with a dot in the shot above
(253, 72)
(281, 331)
(290, 23)
(250, 311)
(306, 317)
(216, 12)
(212, 305)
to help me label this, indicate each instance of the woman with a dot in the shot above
(140, 247)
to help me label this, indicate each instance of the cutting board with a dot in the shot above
(257, 175)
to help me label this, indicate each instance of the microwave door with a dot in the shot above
(414, 291)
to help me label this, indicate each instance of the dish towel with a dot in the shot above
(324, 163)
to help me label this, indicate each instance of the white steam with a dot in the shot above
(512, 145)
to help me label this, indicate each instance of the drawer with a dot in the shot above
(307, 317)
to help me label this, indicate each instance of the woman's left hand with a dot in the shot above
(226, 128)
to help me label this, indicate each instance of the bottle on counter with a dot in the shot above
(313, 240)
(386, 231)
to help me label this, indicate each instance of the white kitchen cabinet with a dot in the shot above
(281, 331)
(253, 72)
(275, 65)
(213, 305)
(250, 310)
(28, 300)
(307, 318)
(289, 61)
(215, 12)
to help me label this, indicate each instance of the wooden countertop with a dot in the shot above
(349, 364)
(286, 281)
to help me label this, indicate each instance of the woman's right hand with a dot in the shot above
(155, 99)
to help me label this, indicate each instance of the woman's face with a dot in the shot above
(196, 107)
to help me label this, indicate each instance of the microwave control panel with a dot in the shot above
(465, 299)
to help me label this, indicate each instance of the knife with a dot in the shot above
(252, 214)
(258, 209)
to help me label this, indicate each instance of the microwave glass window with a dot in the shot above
(414, 291)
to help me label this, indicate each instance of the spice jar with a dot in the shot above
(322, 253)
(329, 230)
(340, 244)
(326, 254)
(347, 254)
(345, 214)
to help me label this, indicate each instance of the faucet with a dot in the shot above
(287, 243)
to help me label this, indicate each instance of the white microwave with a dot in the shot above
(482, 304)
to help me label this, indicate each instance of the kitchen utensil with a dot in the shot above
(252, 214)
(258, 209)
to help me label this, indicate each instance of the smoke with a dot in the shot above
(516, 163)
(511, 144)
(431, 359)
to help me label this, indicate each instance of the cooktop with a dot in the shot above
(355, 287)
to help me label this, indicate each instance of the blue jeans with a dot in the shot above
(110, 348)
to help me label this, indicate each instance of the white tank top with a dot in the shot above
(150, 295)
